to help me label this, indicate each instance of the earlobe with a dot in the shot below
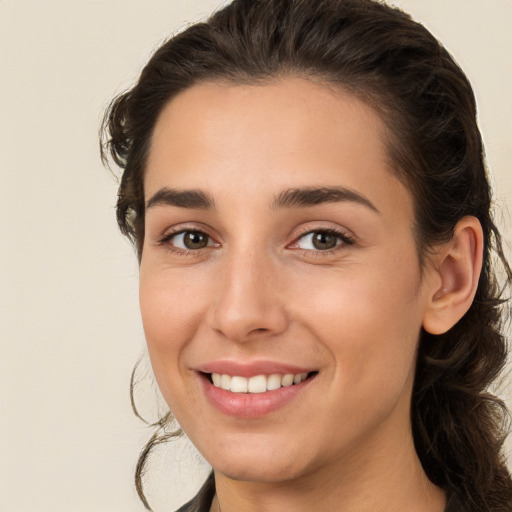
(458, 264)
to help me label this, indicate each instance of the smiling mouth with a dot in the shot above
(258, 383)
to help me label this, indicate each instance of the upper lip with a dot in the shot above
(251, 368)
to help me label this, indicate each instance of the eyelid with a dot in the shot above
(169, 231)
(343, 235)
(181, 235)
(174, 231)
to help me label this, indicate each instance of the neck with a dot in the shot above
(387, 480)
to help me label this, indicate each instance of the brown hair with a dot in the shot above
(385, 58)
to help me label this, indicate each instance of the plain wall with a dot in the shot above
(69, 323)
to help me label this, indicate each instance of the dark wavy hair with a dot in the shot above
(395, 65)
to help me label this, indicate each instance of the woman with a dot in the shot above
(305, 186)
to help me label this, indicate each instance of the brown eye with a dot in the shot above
(195, 239)
(189, 240)
(322, 240)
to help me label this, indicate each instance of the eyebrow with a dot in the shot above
(195, 199)
(290, 198)
(310, 196)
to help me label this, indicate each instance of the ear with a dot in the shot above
(456, 265)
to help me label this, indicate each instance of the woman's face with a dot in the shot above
(278, 242)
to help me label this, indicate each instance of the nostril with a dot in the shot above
(260, 330)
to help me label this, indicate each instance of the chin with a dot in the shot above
(262, 467)
(271, 474)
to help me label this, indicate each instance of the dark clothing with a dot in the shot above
(202, 501)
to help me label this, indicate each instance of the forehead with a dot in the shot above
(263, 138)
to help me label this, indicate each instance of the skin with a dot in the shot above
(261, 291)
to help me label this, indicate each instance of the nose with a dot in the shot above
(249, 303)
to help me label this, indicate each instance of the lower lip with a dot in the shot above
(251, 405)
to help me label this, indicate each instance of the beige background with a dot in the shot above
(69, 322)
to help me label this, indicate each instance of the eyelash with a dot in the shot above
(344, 239)
(167, 238)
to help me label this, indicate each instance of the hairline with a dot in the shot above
(375, 100)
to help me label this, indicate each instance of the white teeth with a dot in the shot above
(287, 380)
(225, 382)
(273, 382)
(256, 384)
(239, 384)
(297, 379)
(216, 380)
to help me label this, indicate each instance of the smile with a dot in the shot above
(261, 389)
(256, 384)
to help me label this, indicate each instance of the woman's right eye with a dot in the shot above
(189, 240)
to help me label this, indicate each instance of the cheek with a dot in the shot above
(171, 309)
(170, 300)
(370, 319)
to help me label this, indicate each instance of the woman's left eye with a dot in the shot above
(322, 240)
